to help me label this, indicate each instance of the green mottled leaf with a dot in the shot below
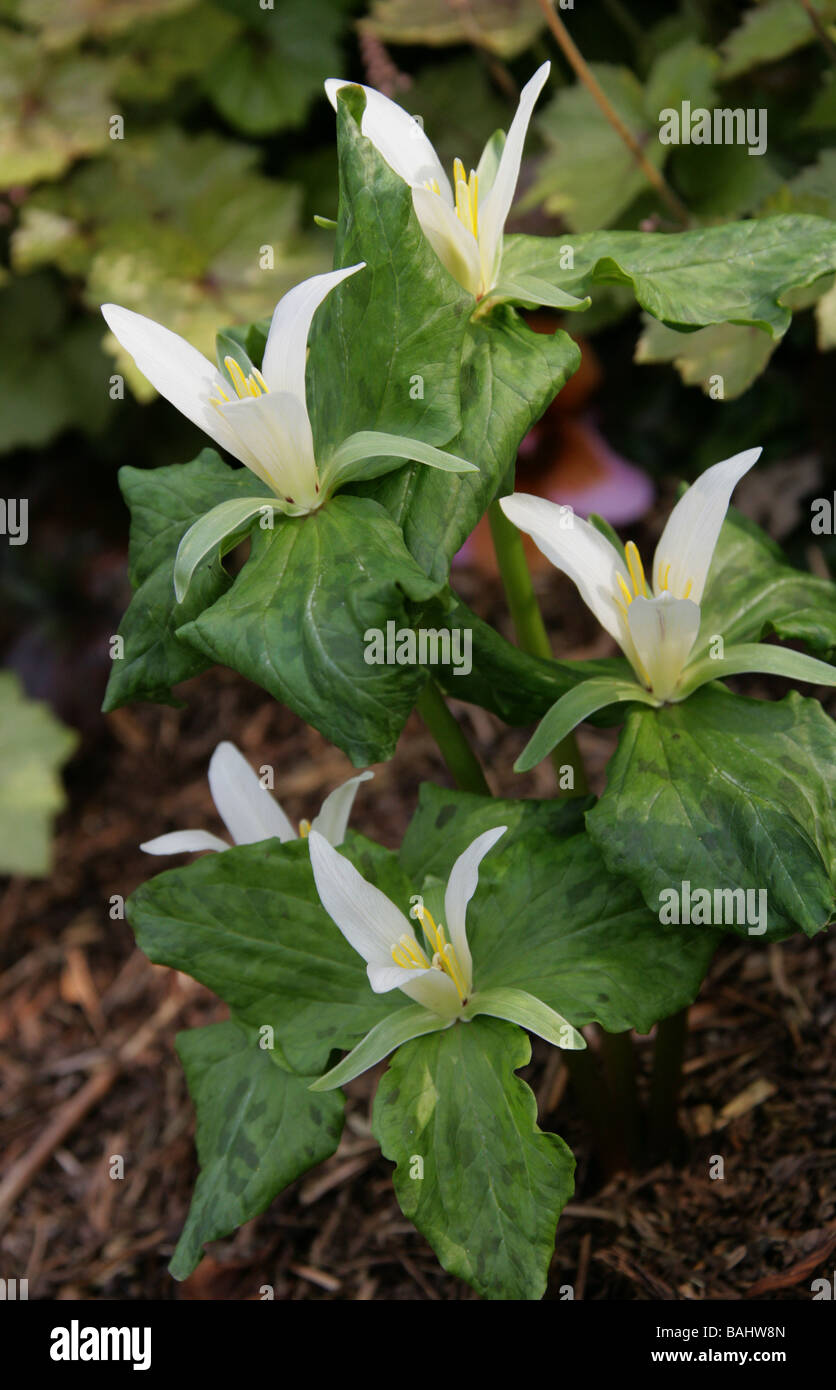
(296, 616)
(165, 503)
(33, 746)
(258, 1128)
(726, 793)
(509, 374)
(730, 274)
(492, 1184)
(753, 592)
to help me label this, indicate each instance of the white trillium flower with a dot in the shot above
(261, 417)
(465, 222)
(654, 620)
(251, 814)
(435, 969)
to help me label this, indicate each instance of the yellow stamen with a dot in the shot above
(628, 597)
(634, 565)
(304, 829)
(444, 955)
(688, 587)
(237, 376)
(253, 386)
(474, 199)
(260, 379)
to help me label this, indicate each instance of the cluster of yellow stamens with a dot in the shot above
(409, 956)
(246, 387)
(304, 829)
(467, 195)
(637, 579)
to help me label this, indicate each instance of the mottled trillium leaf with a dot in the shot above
(726, 793)
(753, 592)
(165, 503)
(491, 1185)
(33, 746)
(296, 616)
(519, 372)
(727, 274)
(258, 1128)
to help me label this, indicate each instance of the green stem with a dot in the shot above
(529, 626)
(668, 1056)
(620, 1064)
(455, 749)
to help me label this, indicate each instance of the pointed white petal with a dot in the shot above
(494, 210)
(461, 885)
(454, 245)
(580, 551)
(664, 630)
(398, 137)
(332, 820)
(184, 842)
(176, 369)
(432, 988)
(285, 354)
(688, 540)
(365, 916)
(246, 808)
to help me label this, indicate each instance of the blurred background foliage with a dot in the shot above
(152, 150)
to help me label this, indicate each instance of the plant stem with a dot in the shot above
(455, 749)
(579, 64)
(529, 626)
(620, 1064)
(668, 1055)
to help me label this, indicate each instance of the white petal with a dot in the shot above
(432, 988)
(275, 430)
(365, 916)
(688, 540)
(332, 820)
(450, 239)
(664, 631)
(580, 551)
(398, 137)
(184, 842)
(246, 808)
(177, 370)
(285, 354)
(461, 885)
(493, 212)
